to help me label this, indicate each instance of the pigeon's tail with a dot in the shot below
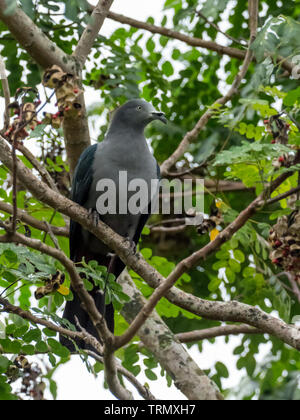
(75, 313)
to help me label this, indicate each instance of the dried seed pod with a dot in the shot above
(52, 285)
(66, 87)
(22, 363)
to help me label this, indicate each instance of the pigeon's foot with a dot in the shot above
(94, 215)
(132, 245)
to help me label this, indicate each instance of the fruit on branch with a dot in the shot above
(66, 89)
(25, 114)
(215, 219)
(278, 129)
(285, 241)
(52, 285)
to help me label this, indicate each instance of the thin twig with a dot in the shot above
(142, 390)
(218, 29)
(283, 196)
(26, 218)
(222, 331)
(6, 92)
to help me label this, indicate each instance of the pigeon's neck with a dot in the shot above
(120, 128)
(128, 136)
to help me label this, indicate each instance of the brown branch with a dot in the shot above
(142, 390)
(191, 136)
(98, 321)
(32, 221)
(74, 335)
(34, 41)
(192, 41)
(6, 92)
(91, 32)
(38, 166)
(283, 196)
(161, 342)
(222, 331)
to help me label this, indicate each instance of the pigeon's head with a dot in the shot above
(138, 113)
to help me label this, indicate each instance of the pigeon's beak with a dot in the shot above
(159, 116)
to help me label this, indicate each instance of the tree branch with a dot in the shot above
(192, 135)
(98, 321)
(91, 32)
(34, 41)
(33, 222)
(142, 390)
(172, 356)
(222, 331)
(283, 196)
(6, 92)
(192, 41)
(74, 335)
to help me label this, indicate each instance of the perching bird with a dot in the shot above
(124, 149)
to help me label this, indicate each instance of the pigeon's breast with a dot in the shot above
(124, 185)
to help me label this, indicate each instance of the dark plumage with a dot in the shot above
(123, 149)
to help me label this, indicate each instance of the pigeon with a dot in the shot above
(122, 159)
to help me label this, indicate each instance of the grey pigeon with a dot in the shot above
(125, 150)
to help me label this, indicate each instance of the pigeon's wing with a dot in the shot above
(82, 181)
(144, 217)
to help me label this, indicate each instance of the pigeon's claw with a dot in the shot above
(132, 245)
(94, 215)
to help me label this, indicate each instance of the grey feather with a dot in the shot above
(124, 149)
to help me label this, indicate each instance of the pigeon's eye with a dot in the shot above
(139, 108)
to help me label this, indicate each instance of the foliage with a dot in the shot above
(182, 81)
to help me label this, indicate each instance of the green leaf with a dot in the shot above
(239, 255)
(292, 97)
(58, 349)
(150, 375)
(4, 363)
(32, 335)
(222, 370)
(167, 69)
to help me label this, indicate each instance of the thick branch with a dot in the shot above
(34, 41)
(91, 32)
(172, 356)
